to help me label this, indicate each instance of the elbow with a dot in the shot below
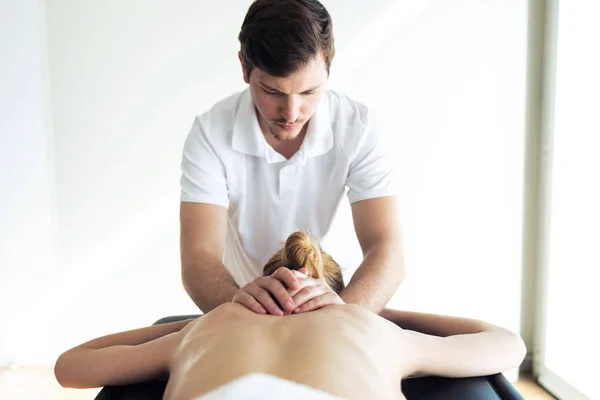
(66, 372)
(190, 277)
(520, 350)
(191, 272)
(61, 371)
(185, 279)
(388, 254)
(515, 350)
(396, 257)
(399, 271)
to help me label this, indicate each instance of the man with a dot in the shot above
(276, 158)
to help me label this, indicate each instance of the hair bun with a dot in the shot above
(301, 251)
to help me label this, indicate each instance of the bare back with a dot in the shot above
(344, 350)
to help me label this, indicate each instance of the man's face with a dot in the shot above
(284, 105)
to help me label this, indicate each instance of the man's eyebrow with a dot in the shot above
(275, 90)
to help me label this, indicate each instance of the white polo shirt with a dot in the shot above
(227, 162)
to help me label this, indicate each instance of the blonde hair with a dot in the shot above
(302, 251)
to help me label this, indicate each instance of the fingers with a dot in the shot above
(278, 291)
(286, 276)
(303, 281)
(312, 304)
(301, 294)
(299, 275)
(327, 299)
(248, 301)
(307, 293)
(265, 289)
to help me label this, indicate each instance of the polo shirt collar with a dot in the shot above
(319, 135)
(248, 137)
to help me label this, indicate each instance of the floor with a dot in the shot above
(530, 390)
(38, 382)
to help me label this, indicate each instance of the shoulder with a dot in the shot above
(225, 106)
(374, 320)
(216, 123)
(346, 111)
(222, 113)
(352, 122)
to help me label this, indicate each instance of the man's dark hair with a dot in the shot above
(280, 37)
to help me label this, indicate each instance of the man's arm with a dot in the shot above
(382, 270)
(202, 241)
(205, 278)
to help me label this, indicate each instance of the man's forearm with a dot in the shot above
(209, 284)
(376, 279)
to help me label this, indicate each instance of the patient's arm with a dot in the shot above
(435, 324)
(121, 358)
(456, 347)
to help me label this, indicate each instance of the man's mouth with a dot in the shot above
(287, 127)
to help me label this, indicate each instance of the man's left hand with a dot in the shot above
(312, 294)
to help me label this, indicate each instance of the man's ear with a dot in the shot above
(244, 71)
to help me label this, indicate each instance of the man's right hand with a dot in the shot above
(258, 295)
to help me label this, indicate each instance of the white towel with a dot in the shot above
(258, 386)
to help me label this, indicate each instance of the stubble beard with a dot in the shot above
(279, 138)
(275, 136)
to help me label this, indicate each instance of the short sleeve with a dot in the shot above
(370, 172)
(203, 177)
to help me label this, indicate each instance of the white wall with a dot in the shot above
(27, 206)
(127, 78)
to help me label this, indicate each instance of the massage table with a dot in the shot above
(493, 387)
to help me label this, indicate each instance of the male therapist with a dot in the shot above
(276, 158)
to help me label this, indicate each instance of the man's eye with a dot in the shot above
(309, 92)
(271, 93)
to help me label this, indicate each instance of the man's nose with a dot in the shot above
(291, 109)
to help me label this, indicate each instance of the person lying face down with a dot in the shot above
(337, 351)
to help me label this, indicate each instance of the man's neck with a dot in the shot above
(286, 148)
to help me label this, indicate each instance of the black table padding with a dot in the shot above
(493, 387)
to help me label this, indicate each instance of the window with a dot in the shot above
(569, 348)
